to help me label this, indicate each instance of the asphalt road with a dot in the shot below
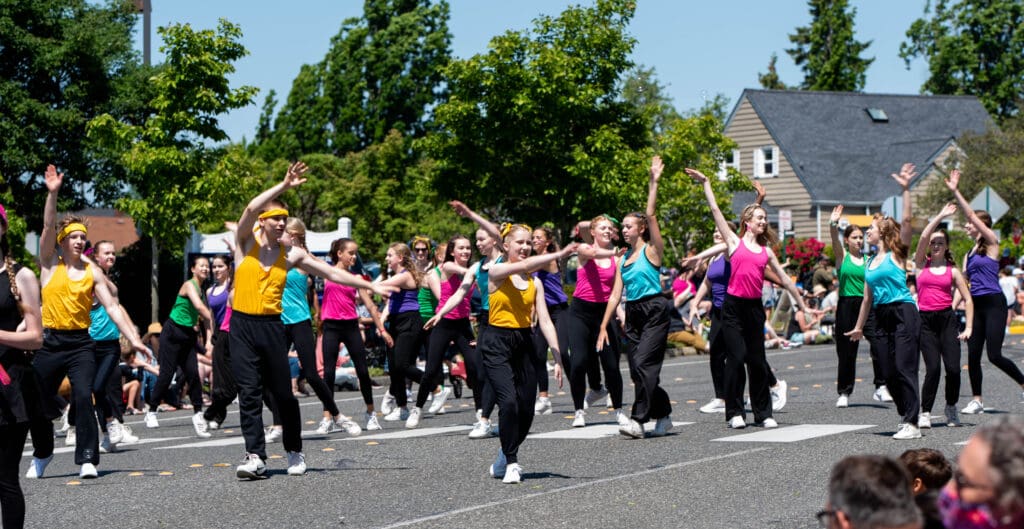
(704, 475)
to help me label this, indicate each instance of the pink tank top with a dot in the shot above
(934, 291)
(447, 289)
(225, 324)
(339, 302)
(593, 283)
(747, 272)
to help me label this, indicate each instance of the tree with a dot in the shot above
(826, 50)
(972, 47)
(647, 96)
(61, 62)
(770, 80)
(382, 72)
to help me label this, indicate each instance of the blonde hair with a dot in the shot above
(297, 229)
(768, 237)
(509, 228)
(403, 251)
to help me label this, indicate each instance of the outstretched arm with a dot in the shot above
(833, 230)
(610, 309)
(655, 245)
(731, 239)
(243, 235)
(464, 211)
(453, 301)
(965, 294)
(314, 266)
(500, 271)
(710, 252)
(905, 176)
(48, 239)
(547, 328)
(990, 236)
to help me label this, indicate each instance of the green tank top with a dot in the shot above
(851, 277)
(183, 312)
(427, 301)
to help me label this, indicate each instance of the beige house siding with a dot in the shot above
(784, 191)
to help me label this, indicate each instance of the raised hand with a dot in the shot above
(906, 174)
(761, 193)
(657, 166)
(947, 210)
(696, 175)
(461, 209)
(294, 176)
(837, 213)
(954, 180)
(53, 178)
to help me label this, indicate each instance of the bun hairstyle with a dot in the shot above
(297, 229)
(408, 264)
(768, 238)
(889, 233)
(338, 245)
(642, 219)
(549, 234)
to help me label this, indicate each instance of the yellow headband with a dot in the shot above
(508, 227)
(74, 226)
(276, 212)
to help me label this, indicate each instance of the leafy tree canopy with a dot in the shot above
(827, 51)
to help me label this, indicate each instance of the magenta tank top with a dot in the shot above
(339, 302)
(447, 289)
(593, 283)
(934, 291)
(747, 276)
(225, 324)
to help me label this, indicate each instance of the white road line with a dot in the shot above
(143, 441)
(409, 434)
(792, 434)
(586, 484)
(233, 440)
(594, 431)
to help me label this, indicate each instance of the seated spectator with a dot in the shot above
(987, 489)
(773, 341)
(930, 471)
(869, 492)
(809, 325)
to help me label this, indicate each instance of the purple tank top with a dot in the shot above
(718, 276)
(553, 292)
(218, 305)
(404, 300)
(983, 273)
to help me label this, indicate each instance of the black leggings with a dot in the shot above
(647, 336)
(939, 341)
(988, 331)
(224, 388)
(743, 332)
(540, 346)
(335, 333)
(580, 328)
(447, 331)
(718, 354)
(407, 330)
(12, 500)
(178, 349)
(897, 333)
(506, 358)
(300, 335)
(107, 354)
(66, 353)
(847, 311)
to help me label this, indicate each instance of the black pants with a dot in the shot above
(66, 353)
(939, 344)
(259, 361)
(847, 311)
(335, 333)
(646, 339)
(897, 332)
(506, 358)
(115, 390)
(107, 353)
(448, 331)
(876, 358)
(743, 332)
(407, 330)
(988, 331)
(224, 388)
(301, 336)
(177, 350)
(540, 346)
(12, 500)
(581, 326)
(718, 353)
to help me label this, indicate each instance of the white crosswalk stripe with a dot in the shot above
(792, 434)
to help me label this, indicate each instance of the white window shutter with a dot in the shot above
(775, 161)
(758, 163)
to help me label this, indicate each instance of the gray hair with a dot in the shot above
(874, 492)
(1005, 437)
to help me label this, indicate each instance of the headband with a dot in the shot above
(508, 226)
(276, 212)
(74, 226)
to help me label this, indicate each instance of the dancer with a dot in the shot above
(897, 321)
(982, 270)
(68, 285)
(218, 297)
(937, 276)
(647, 314)
(406, 325)
(178, 343)
(507, 345)
(259, 352)
(743, 316)
(557, 304)
(20, 399)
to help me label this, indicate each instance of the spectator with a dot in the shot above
(869, 492)
(822, 275)
(987, 489)
(930, 471)
(809, 323)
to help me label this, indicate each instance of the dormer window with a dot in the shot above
(877, 115)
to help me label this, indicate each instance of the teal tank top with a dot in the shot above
(640, 279)
(294, 307)
(102, 327)
(888, 282)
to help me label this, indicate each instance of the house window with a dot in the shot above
(732, 159)
(766, 162)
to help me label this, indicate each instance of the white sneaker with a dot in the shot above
(593, 397)
(622, 419)
(128, 437)
(64, 424)
(397, 414)
(482, 430)
(580, 419)
(974, 407)
(543, 406)
(372, 423)
(513, 474)
(296, 464)
(952, 416)
(713, 406)
(106, 446)
(387, 403)
(632, 429)
(662, 427)
(326, 426)
(414, 418)
(924, 420)
(499, 467)
(37, 467)
(212, 425)
(88, 471)
(737, 422)
(151, 421)
(882, 394)
(72, 438)
(779, 395)
(769, 423)
(273, 434)
(199, 425)
(437, 406)
(252, 467)
(843, 401)
(351, 427)
(908, 431)
(115, 431)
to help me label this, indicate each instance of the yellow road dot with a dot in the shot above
(679, 379)
(561, 393)
(229, 431)
(328, 449)
(965, 367)
(672, 402)
(605, 412)
(72, 483)
(807, 365)
(859, 380)
(221, 465)
(691, 401)
(372, 443)
(569, 417)
(790, 367)
(166, 473)
(464, 406)
(133, 474)
(817, 385)
(196, 465)
(310, 422)
(275, 456)
(793, 388)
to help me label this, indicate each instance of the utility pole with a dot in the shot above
(146, 8)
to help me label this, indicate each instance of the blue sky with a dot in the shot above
(698, 48)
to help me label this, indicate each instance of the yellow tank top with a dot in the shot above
(512, 308)
(258, 291)
(67, 303)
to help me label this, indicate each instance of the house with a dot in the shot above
(814, 150)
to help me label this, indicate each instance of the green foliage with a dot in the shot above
(771, 80)
(60, 65)
(176, 177)
(972, 47)
(15, 234)
(643, 92)
(826, 50)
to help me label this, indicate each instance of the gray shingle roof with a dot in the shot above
(842, 156)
